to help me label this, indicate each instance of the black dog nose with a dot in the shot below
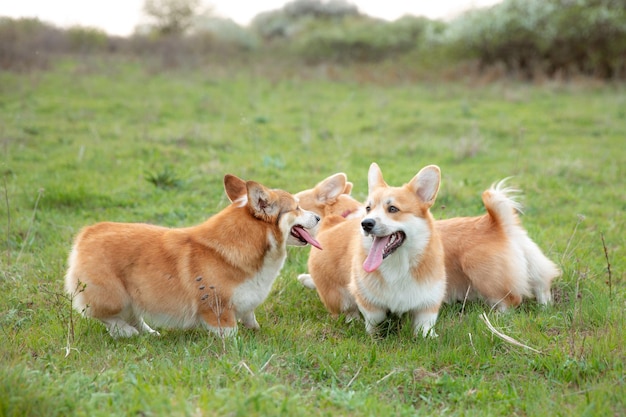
(368, 224)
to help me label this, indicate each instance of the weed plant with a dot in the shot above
(113, 141)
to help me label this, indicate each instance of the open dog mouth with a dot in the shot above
(303, 236)
(382, 247)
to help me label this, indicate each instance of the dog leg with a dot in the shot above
(144, 328)
(372, 319)
(503, 304)
(352, 315)
(543, 295)
(223, 323)
(249, 321)
(307, 281)
(222, 331)
(118, 327)
(424, 321)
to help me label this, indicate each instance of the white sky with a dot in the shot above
(119, 17)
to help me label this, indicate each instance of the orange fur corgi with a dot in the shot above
(491, 257)
(212, 274)
(488, 257)
(340, 214)
(398, 262)
(387, 259)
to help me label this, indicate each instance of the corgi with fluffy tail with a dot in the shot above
(488, 257)
(491, 257)
(213, 274)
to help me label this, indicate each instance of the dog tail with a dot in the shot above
(501, 204)
(503, 209)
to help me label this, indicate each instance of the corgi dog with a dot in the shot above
(488, 257)
(398, 260)
(213, 274)
(491, 257)
(388, 259)
(340, 213)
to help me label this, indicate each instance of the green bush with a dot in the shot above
(589, 36)
(26, 43)
(545, 36)
(225, 33)
(358, 39)
(85, 39)
(285, 22)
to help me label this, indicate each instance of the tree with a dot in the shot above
(172, 17)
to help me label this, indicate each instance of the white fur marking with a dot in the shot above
(255, 290)
(424, 321)
(241, 201)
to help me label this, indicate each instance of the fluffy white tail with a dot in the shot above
(501, 205)
(504, 209)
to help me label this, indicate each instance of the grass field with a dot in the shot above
(106, 141)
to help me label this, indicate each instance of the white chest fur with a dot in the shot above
(247, 296)
(399, 291)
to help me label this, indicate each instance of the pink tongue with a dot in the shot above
(375, 257)
(306, 236)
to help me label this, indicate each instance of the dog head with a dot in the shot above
(275, 207)
(398, 217)
(331, 196)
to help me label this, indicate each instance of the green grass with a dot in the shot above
(85, 143)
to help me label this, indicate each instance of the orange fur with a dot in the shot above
(492, 257)
(340, 215)
(338, 273)
(213, 274)
(489, 257)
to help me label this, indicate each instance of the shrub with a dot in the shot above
(286, 22)
(358, 39)
(316, 8)
(225, 33)
(529, 36)
(27, 43)
(87, 40)
(590, 37)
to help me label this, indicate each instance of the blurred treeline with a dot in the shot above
(518, 38)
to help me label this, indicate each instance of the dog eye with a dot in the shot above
(368, 209)
(393, 209)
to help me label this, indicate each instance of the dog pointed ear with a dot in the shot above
(426, 184)
(332, 187)
(235, 187)
(348, 188)
(262, 201)
(375, 178)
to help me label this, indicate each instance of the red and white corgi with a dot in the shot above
(389, 259)
(329, 270)
(489, 257)
(212, 274)
(398, 260)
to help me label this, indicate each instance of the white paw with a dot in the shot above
(352, 315)
(307, 281)
(119, 329)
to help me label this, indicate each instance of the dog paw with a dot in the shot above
(252, 326)
(425, 333)
(352, 316)
(307, 281)
(249, 321)
(431, 334)
(122, 331)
